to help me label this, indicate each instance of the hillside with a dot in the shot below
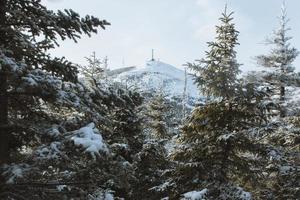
(155, 75)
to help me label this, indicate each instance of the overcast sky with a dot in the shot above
(177, 29)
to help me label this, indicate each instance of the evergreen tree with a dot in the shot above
(157, 110)
(94, 71)
(280, 60)
(151, 161)
(93, 160)
(150, 164)
(283, 171)
(258, 79)
(220, 62)
(28, 74)
(216, 152)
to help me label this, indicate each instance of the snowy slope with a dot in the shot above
(156, 75)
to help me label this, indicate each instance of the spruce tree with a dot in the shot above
(94, 71)
(151, 161)
(216, 153)
(157, 109)
(219, 62)
(280, 60)
(30, 78)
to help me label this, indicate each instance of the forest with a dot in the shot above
(70, 131)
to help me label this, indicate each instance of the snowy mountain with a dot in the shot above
(156, 75)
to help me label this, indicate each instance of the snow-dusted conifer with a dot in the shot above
(28, 74)
(215, 150)
(280, 60)
(94, 71)
(157, 114)
(216, 73)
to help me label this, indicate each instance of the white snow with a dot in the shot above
(243, 194)
(101, 194)
(10, 63)
(14, 171)
(30, 81)
(195, 195)
(156, 75)
(293, 100)
(246, 195)
(275, 155)
(162, 187)
(108, 196)
(61, 187)
(90, 139)
(53, 131)
(120, 145)
(51, 151)
(284, 170)
(225, 137)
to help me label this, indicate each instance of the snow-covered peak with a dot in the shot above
(163, 68)
(156, 75)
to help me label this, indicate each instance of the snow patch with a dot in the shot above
(90, 139)
(195, 195)
(49, 152)
(226, 137)
(243, 194)
(14, 171)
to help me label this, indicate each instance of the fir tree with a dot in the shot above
(216, 152)
(94, 71)
(280, 60)
(157, 117)
(151, 161)
(220, 62)
(27, 71)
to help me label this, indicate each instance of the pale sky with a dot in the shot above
(177, 29)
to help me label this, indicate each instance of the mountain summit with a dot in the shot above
(156, 75)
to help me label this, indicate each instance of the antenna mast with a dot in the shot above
(152, 59)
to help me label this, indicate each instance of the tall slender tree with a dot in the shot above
(94, 70)
(216, 153)
(220, 61)
(280, 59)
(157, 116)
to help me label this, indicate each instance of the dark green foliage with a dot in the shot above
(28, 30)
(224, 148)
(216, 73)
(126, 124)
(216, 147)
(157, 114)
(150, 164)
(282, 172)
(216, 150)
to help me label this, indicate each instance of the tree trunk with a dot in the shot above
(4, 135)
(282, 100)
